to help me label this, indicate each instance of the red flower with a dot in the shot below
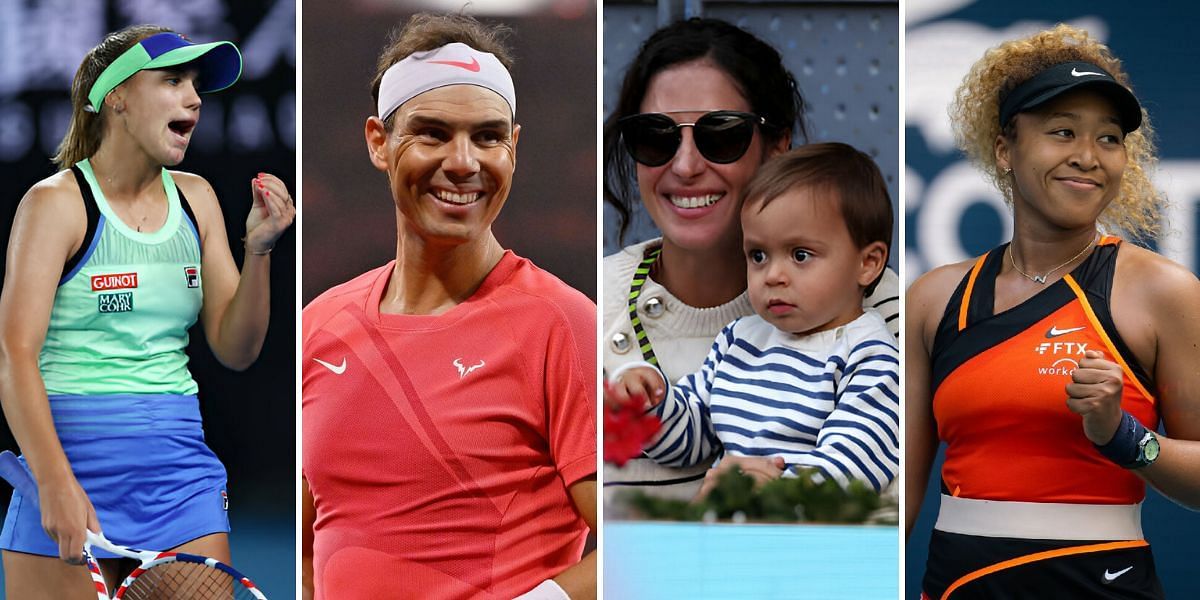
(627, 426)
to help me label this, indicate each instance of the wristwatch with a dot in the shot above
(1147, 451)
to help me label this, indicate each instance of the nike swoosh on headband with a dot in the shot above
(1075, 73)
(422, 71)
(472, 66)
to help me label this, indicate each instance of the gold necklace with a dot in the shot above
(1041, 279)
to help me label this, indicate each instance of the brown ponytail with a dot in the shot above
(87, 128)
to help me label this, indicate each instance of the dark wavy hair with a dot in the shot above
(755, 66)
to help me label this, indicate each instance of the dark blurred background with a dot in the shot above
(249, 417)
(550, 217)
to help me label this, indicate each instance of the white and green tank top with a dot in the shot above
(121, 314)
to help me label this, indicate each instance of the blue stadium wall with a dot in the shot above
(845, 56)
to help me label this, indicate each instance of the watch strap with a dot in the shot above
(1125, 448)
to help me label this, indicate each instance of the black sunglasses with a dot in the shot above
(721, 136)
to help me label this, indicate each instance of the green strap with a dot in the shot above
(640, 275)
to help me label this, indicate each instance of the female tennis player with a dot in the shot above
(1094, 338)
(110, 261)
(702, 106)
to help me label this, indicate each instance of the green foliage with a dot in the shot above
(789, 499)
(665, 509)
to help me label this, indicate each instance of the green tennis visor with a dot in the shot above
(219, 64)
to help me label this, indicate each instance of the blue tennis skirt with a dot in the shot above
(145, 467)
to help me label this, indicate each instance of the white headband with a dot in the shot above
(452, 64)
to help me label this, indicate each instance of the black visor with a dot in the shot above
(1064, 77)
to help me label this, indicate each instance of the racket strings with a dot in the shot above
(185, 581)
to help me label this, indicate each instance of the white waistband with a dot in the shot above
(1040, 520)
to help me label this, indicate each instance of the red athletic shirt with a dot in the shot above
(439, 449)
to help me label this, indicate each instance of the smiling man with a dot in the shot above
(449, 396)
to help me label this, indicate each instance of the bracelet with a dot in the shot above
(249, 251)
(1122, 449)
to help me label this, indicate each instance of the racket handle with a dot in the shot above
(97, 540)
(18, 475)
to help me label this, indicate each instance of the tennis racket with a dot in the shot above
(161, 575)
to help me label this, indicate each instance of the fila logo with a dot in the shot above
(224, 501)
(463, 371)
(115, 281)
(472, 66)
(1056, 348)
(192, 274)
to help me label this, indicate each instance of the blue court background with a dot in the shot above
(951, 214)
(721, 561)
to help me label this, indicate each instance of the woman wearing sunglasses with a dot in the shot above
(111, 261)
(1046, 364)
(702, 106)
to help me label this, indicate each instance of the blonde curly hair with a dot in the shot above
(975, 116)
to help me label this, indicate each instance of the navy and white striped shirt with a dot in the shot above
(829, 400)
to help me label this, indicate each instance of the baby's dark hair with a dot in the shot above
(847, 174)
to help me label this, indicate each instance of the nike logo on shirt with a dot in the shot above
(337, 369)
(1055, 331)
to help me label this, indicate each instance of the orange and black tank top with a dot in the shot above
(999, 388)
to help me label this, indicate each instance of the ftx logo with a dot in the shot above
(1058, 348)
